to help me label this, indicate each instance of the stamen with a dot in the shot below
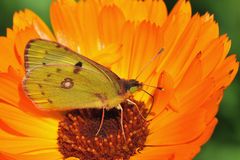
(77, 133)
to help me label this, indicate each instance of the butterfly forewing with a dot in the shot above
(58, 78)
(41, 52)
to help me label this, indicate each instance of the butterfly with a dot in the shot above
(58, 78)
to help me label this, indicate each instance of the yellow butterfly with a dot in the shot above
(57, 78)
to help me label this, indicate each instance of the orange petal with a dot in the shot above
(166, 131)
(197, 35)
(139, 45)
(182, 6)
(172, 30)
(152, 155)
(176, 23)
(48, 154)
(145, 46)
(162, 98)
(75, 25)
(7, 55)
(110, 32)
(212, 55)
(9, 86)
(21, 40)
(178, 152)
(226, 72)
(27, 18)
(108, 56)
(191, 76)
(5, 157)
(26, 26)
(212, 105)
(196, 96)
(4, 126)
(157, 12)
(25, 145)
(182, 54)
(28, 125)
(122, 68)
(208, 32)
(153, 11)
(188, 104)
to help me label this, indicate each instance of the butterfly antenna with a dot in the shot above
(149, 62)
(159, 88)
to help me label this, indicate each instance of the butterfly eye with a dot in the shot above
(133, 89)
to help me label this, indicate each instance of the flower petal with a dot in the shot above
(191, 77)
(110, 32)
(163, 97)
(35, 127)
(210, 59)
(21, 145)
(226, 72)
(21, 40)
(48, 154)
(26, 18)
(9, 87)
(182, 51)
(140, 44)
(122, 68)
(190, 125)
(75, 25)
(212, 105)
(143, 10)
(178, 152)
(175, 23)
(7, 54)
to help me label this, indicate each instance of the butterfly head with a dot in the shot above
(132, 86)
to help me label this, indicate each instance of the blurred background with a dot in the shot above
(225, 142)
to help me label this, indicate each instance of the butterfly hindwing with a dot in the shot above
(67, 87)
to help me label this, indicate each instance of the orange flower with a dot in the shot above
(193, 70)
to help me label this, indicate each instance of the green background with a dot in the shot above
(225, 143)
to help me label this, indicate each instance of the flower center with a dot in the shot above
(77, 133)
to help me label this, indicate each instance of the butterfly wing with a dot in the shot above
(41, 52)
(43, 58)
(60, 87)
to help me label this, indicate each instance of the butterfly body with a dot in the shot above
(60, 79)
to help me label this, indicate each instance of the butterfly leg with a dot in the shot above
(140, 113)
(121, 121)
(101, 123)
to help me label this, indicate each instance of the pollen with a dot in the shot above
(77, 133)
